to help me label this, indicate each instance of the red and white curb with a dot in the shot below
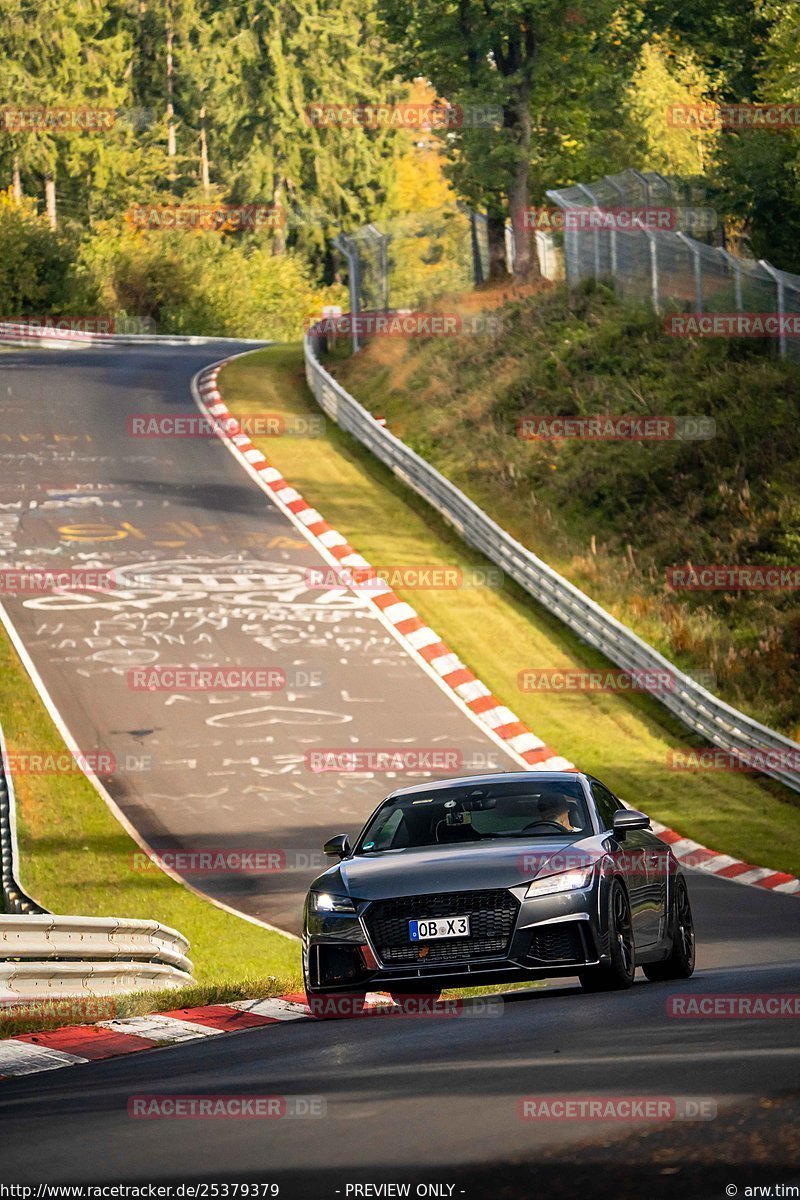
(498, 721)
(31, 1053)
(425, 645)
(46, 1051)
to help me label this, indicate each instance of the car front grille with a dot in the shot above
(492, 915)
(557, 944)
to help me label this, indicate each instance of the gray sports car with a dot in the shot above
(496, 878)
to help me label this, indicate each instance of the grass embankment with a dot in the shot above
(614, 516)
(498, 632)
(76, 858)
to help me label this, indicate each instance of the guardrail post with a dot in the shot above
(781, 290)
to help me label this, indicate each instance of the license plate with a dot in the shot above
(438, 927)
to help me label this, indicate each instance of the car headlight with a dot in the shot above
(325, 902)
(565, 881)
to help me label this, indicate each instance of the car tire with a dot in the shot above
(680, 963)
(622, 969)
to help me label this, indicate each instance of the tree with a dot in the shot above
(523, 57)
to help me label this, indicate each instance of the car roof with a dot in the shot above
(491, 777)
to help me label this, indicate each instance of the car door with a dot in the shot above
(657, 864)
(634, 857)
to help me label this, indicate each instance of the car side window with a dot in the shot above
(606, 804)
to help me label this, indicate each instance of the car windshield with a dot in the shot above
(450, 816)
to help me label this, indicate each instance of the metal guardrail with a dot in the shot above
(13, 897)
(15, 333)
(92, 940)
(43, 955)
(31, 982)
(701, 711)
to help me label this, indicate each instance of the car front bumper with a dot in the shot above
(557, 934)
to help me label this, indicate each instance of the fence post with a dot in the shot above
(613, 233)
(596, 239)
(654, 291)
(737, 276)
(781, 289)
(694, 250)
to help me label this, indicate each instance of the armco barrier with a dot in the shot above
(697, 708)
(43, 956)
(14, 333)
(34, 982)
(46, 956)
(13, 898)
(91, 939)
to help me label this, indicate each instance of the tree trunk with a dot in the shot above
(204, 175)
(496, 230)
(477, 262)
(50, 200)
(526, 260)
(279, 227)
(171, 145)
(16, 185)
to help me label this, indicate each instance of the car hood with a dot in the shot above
(467, 867)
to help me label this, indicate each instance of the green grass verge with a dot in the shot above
(77, 859)
(614, 517)
(498, 632)
(55, 1014)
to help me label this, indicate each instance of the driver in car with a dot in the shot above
(556, 810)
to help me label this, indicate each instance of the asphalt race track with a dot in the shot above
(431, 1099)
(204, 771)
(422, 1100)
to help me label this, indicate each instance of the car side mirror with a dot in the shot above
(626, 819)
(338, 845)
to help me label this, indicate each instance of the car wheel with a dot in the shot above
(620, 973)
(680, 964)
